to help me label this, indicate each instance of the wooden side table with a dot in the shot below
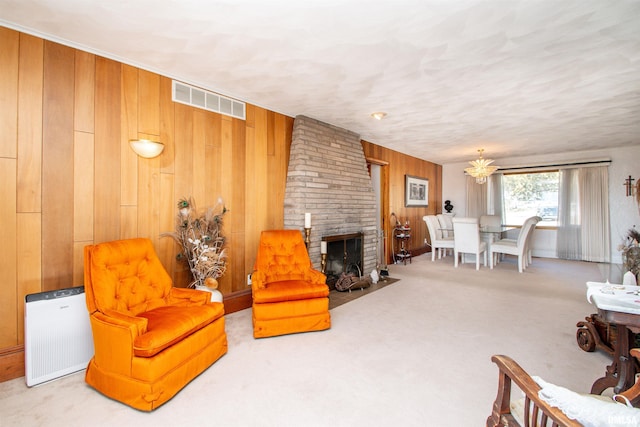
(620, 306)
(401, 236)
(621, 374)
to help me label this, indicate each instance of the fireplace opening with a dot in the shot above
(344, 255)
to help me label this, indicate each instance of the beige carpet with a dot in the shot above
(413, 354)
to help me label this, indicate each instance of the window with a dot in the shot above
(529, 194)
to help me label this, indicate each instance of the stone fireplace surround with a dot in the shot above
(328, 178)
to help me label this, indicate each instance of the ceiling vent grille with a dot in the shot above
(196, 97)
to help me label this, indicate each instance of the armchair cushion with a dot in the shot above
(290, 290)
(170, 324)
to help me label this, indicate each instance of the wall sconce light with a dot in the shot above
(146, 148)
(379, 115)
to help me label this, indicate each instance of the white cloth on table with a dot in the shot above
(621, 298)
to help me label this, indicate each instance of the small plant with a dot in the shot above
(631, 252)
(202, 242)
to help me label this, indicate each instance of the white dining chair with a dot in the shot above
(467, 240)
(445, 225)
(519, 247)
(439, 243)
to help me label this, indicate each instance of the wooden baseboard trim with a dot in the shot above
(11, 363)
(237, 301)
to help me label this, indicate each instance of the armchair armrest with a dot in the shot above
(138, 325)
(113, 337)
(258, 279)
(315, 276)
(535, 408)
(187, 296)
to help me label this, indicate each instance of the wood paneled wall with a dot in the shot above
(399, 165)
(69, 177)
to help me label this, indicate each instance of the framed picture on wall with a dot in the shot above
(416, 191)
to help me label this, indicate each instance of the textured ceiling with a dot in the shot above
(513, 77)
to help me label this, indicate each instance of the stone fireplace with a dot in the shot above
(328, 178)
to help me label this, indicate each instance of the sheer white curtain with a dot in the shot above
(583, 214)
(476, 198)
(485, 199)
(495, 200)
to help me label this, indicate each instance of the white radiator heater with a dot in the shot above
(58, 338)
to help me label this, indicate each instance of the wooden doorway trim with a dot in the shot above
(384, 204)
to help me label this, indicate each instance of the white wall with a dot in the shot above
(624, 211)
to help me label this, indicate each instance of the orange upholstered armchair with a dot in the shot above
(289, 296)
(150, 339)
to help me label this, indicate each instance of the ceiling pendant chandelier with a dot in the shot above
(481, 168)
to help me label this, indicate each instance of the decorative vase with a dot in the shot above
(216, 295)
(631, 260)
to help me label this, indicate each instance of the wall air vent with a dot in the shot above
(196, 97)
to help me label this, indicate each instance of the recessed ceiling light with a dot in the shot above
(379, 115)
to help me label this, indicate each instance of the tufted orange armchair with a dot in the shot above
(289, 296)
(150, 339)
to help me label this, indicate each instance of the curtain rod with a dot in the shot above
(588, 163)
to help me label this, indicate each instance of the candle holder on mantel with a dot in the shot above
(323, 263)
(307, 237)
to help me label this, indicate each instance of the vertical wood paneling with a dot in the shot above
(29, 130)
(236, 222)
(255, 180)
(167, 249)
(214, 160)
(83, 169)
(129, 130)
(78, 262)
(183, 177)
(210, 187)
(57, 167)
(167, 128)
(148, 201)
(128, 222)
(107, 151)
(85, 74)
(8, 257)
(183, 152)
(277, 165)
(199, 160)
(166, 246)
(149, 112)
(29, 260)
(257, 176)
(9, 60)
(227, 188)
